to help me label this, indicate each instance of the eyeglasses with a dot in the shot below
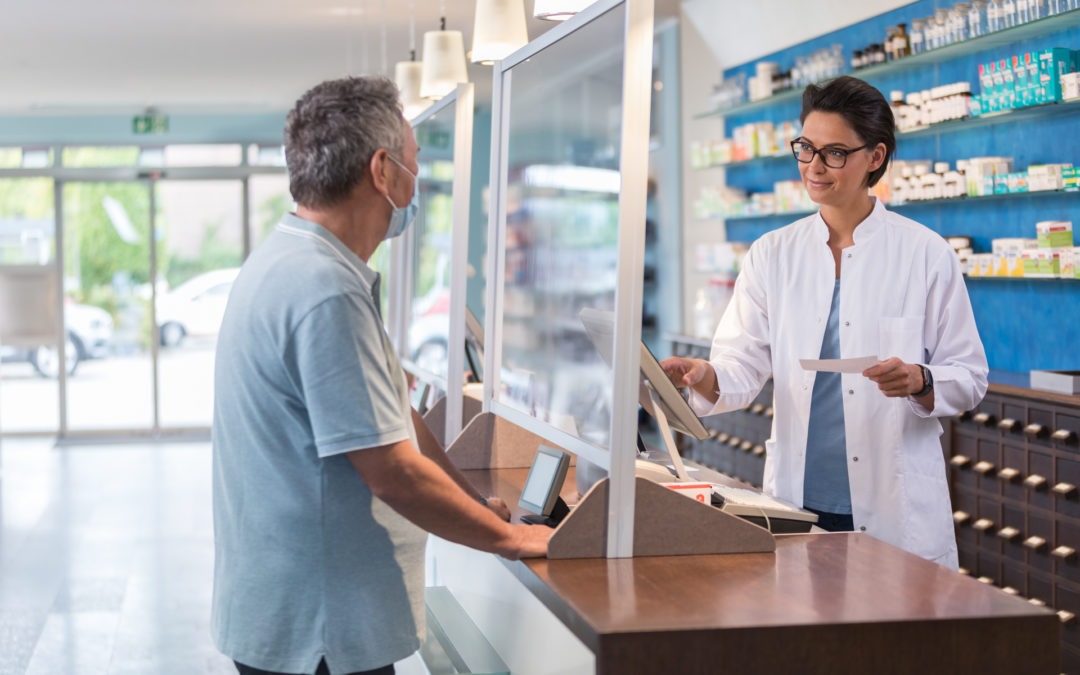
(834, 158)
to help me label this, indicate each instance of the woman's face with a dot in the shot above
(844, 187)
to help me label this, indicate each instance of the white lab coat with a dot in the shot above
(901, 294)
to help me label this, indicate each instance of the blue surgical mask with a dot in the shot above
(403, 216)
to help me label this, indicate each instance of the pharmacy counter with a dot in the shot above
(822, 603)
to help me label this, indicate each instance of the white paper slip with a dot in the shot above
(855, 365)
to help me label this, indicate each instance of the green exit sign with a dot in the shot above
(150, 124)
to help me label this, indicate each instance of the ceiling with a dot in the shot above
(64, 57)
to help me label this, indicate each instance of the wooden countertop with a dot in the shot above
(828, 603)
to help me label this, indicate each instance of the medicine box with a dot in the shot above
(1059, 381)
(1054, 234)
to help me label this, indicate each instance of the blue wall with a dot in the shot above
(1024, 324)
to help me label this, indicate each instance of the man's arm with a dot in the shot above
(433, 450)
(421, 491)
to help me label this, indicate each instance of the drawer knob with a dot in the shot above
(713, 434)
(1064, 436)
(1035, 481)
(768, 412)
(1063, 552)
(961, 517)
(984, 418)
(734, 441)
(1010, 590)
(962, 416)
(758, 450)
(746, 445)
(983, 524)
(1008, 533)
(1066, 616)
(1037, 602)
(1035, 430)
(723, 436)
(757, 408)
(1065, 489)
(1008, 424)
(986, 580)
(1008, 474)
(960, 460)
(1035, 543)
(984, 467)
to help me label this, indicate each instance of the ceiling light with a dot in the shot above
(407, 75)
(498, 30)
(558, 10)
(444, 62)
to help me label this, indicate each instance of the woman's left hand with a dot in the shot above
(895, 378)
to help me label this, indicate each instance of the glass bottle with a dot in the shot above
(1055, 7)
(901, 41)
(958, 18)
(993, 15)
(1023, 11)
(941, 21)
(1008, 13)
(1037, 9)
(915, 36)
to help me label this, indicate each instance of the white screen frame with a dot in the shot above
(543, 477)
(633, 168)
(463, 100)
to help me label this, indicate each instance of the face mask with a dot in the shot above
(403, 216)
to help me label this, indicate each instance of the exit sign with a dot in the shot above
(150, 124)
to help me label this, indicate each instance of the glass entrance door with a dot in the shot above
(107, 237)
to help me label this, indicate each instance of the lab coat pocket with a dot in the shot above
(901, 337)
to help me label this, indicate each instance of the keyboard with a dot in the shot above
(761, 509)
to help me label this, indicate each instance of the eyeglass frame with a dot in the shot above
(815, 152)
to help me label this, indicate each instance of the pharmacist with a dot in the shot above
(862, 449)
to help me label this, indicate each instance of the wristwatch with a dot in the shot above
(928, 383)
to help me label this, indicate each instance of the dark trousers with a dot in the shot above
(834, 522)
(322, 670)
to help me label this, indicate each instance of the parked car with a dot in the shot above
(195, 308)
(428, 331)
(89, 334)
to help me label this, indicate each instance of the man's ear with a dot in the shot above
(377, 168)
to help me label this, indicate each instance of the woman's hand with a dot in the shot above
(895, 378)
(697, 374)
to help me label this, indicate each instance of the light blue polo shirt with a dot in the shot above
(308, 564)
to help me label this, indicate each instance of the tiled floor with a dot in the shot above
(106, 558)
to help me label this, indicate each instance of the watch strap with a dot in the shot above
(928, 382)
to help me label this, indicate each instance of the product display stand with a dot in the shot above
(665, 524)
(491, 442)
(436, 416)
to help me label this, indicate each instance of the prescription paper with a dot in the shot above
(854, 365)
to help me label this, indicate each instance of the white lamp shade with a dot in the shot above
(498, 30)
(444, 63)
(558, 10)
(407, 75)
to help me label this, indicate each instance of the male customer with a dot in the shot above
(321, 496)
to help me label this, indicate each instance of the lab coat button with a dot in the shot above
(849, 255)
(847, 323)
(851, 392)
(862, 528)
(854, 459)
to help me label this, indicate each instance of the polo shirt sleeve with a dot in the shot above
(343, 374)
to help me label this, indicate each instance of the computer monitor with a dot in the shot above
(600, 326)
(543, 485)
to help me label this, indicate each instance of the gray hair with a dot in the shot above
(333, 131)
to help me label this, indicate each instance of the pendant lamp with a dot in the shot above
(444, 62)
(558, 10)
(407, 75)
(498, 30)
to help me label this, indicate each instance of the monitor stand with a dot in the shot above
(559, 511)
(669, 440)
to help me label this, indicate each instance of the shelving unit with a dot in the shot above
(999, 38)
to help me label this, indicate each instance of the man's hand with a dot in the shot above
(697, 374)
(498, 507)
(895, 378)
(526, 541)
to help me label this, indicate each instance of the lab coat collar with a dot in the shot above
(872, 224)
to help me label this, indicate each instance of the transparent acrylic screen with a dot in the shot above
(562, 205)
(429, 306)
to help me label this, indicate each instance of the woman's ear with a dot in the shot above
(877, 157)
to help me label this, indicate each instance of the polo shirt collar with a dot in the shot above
(291, 223)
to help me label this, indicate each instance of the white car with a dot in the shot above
(89, 334)
(195, 308)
